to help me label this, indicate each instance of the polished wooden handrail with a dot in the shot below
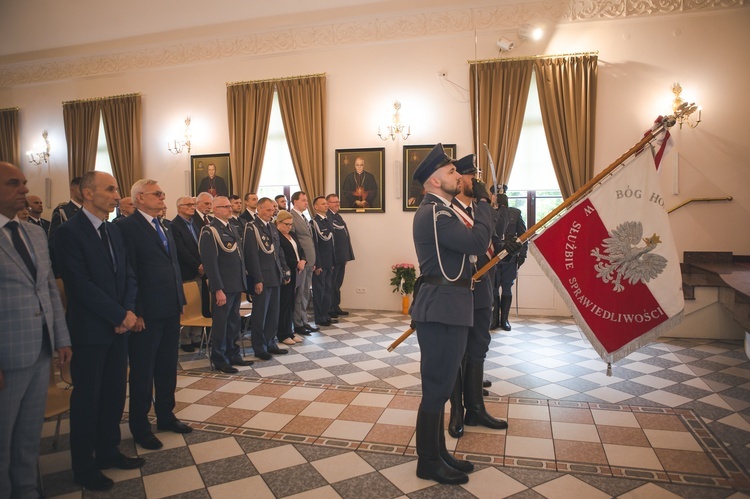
(702, 200)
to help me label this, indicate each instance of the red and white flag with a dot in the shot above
(613, 260)
(662, 145)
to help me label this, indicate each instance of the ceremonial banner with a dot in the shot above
(612, 258)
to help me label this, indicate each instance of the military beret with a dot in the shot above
(465, 165)
(435, 159)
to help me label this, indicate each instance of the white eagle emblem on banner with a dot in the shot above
(624, 259)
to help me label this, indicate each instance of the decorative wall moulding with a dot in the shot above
(350, 33)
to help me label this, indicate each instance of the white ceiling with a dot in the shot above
(40, 25)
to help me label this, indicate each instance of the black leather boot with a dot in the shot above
(476, 414)
(505, 302)
(456, 423)
(495, 312)
(430, 465)
(451, 461)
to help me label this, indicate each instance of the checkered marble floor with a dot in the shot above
(335, 418)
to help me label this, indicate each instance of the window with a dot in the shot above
(104, 164)
(277, 176)
(533, 186)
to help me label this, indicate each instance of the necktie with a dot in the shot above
(163, 238)
(21, 247)
(105, 240)
(468, 210)
(192, 229)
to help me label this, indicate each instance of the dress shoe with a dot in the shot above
(241, 362)
(196, 344)
(333, 315)
(301, 330)
(227, 369)
(149, 442)
(175, 426)
(289, 341)
(122, 462)
(323, 324)
(278, 351)
(263, 356)
(314, 329)
(96, 480)
(187, 348)
(341, 312)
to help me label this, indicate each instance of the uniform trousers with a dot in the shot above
(506, 276)
(225, 329)
(442, 347)
(22, 403)
(322, 288)
(338, 280)
(265, 319)
(302, 296)
(479, 336)
(153, 368)
(99, 375)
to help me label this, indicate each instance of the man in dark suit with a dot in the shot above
(251, 207)
(266, 264)
(235, 219)
(36, 208)
(507, 269)
(101, 290)
(221, 254)
(443, 307)
(203, 204)
(152, 252)
(325, 259)
(185, 232)
(344, 253)
(33, 325)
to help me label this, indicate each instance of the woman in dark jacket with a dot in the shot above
(295, 260)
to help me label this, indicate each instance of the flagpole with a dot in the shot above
(650, 135)
(663, 124)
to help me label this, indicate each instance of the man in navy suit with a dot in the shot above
(325, 259)
(101, 290)
(36, 208)
(153, 343)
(265, 263)
(186, 231)
(32, 323)
(343, 249)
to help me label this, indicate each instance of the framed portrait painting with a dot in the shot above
(210, 173)
(413, 155)
(360, 179)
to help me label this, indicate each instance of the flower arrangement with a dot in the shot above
(404, 277)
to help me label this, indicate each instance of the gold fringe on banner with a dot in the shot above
(8, 109)
(101, 98)
(532, 57)
(233, 83)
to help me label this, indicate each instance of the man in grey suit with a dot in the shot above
(302, 230)
(32, 323)
(221, 254)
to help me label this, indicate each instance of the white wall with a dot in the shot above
(639, 60)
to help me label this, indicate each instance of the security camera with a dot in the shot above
(504, 44)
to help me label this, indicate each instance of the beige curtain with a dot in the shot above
(303, 102)
(503, 91)
(10, 136)
(249, 113)
(122, 126)
(567, 96)
(81, 134)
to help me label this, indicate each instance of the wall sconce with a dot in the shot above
(396, 129)
(177, 146)
(682, 110)
(529, 32)
(40, 156)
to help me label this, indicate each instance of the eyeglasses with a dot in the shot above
(226, 206)
(186, 204)
(288, 224)
(158, 194)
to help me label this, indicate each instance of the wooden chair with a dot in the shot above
(246, 311)
(58, 399)
(193, 314)
(61, 289)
